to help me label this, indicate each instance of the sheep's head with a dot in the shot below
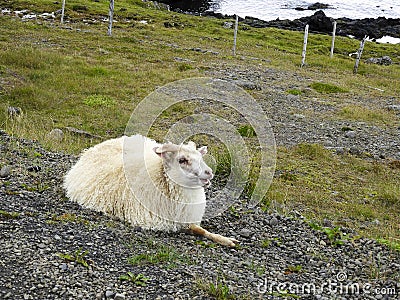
(184, 164)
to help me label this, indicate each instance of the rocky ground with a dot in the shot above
(310, 117)
(54, 249)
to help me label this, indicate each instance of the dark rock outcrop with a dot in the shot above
(319, 22)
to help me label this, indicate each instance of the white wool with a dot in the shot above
(125, 178)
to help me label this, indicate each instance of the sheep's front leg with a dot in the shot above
(196, 229)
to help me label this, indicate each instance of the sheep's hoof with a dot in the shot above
(230, 242)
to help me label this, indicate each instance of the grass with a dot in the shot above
(75, 75)
(77, 257)
(160, 254)
(293, 269)
(138, 279)
(376, 116)
(9, 215)
(67, 218)
(217, 290)
(327, 88)
(349, 190)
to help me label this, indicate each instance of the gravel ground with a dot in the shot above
(312, 117)
(279, 256)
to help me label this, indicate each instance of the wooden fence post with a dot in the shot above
(333, 38)
(235, 35)
(62, 12)
(359, 53)
(303, 55)
(110, 17)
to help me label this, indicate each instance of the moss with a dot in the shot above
(327, 88)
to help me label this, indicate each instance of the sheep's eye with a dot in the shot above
(183, 160)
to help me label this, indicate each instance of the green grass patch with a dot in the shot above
(158, 255)
(138, 279)
(327, 88)
(98, 101)
(374, 116)
(9, 215)
(247, 131)
(77, 257)
(395, 245)
(217, 290)
(295, 92)
(348, 190)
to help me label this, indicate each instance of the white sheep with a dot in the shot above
(155, 186)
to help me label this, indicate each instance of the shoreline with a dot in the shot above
(320, 23)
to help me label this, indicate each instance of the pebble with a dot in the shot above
(273, 221)
(5, 171)
(56, 134)
(350, 134)
(119, 296)
(109, 294)
(246, 233)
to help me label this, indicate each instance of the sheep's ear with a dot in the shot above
(203, 150)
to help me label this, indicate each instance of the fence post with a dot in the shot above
(110, 17)
(359, 53)
(235, 35)
(333, 38)
(62, 12)
(303, 54)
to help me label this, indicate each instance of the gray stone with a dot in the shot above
(247, 84)
(245, 233)
(56, 134)
(109, 294)
(350, 134)
(393, 107)
(274, 221)
(228, 25)
(384, 60)
(5, 171)
(119, 296)
(14, 112)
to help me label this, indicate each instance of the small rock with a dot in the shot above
(394, 107)
(119, 296)
(5, 171)
(299, 116)
(354, 151)
(228, 25)
(14, 112)
(246, 233)
(56, 134)
(327, 223)
(109, 294)
(384, 60)
(34, 169)
(63, 267)
(375, 222)
(247, 85)
(322, 243)
(274, 221)
(350, 134)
